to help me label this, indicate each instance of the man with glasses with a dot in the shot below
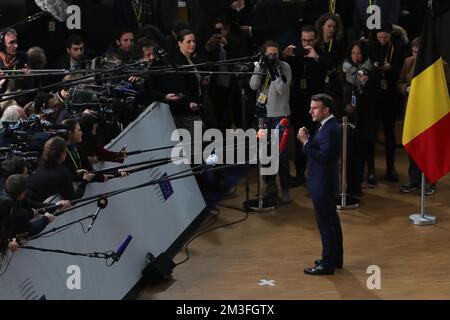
(309, 72)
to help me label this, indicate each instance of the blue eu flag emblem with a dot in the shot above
(166, 188)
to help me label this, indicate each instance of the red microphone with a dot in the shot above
(285, 123)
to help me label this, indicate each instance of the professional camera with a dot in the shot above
(269, 63)
(30, 134)
(31, 157)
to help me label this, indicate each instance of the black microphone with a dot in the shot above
(49, 209)
(101, 204)
(120, 250)
(162, 54)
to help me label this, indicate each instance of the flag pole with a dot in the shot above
(422, 219)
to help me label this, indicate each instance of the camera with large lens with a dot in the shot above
(269, 63)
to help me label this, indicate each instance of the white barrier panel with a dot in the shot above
(155, 216)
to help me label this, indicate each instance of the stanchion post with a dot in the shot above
(345, 201)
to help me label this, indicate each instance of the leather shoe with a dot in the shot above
(319, 261)
(319, 270)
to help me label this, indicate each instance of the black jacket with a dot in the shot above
(187, 84)
(47, 181)
(22, 219)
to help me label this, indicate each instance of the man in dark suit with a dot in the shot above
(322, 151)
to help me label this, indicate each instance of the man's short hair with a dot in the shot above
(123, 31)
(36, 57)
(12, 165)
(309, 28)
(270, 44)
(327, 101)
(15, 185)
(74, 39)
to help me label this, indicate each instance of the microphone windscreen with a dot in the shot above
(57, 8)
(123, 246)
(284, 122)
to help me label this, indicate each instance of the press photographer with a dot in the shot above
(309, 71)
(273, 104)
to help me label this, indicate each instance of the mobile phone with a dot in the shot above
(301, 52)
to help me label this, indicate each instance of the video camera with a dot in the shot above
(30, 134)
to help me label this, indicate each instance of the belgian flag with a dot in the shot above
(426, 133)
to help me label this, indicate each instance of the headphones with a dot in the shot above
(2, 38)
(2, 42)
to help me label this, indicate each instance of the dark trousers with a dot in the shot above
(387, 115)
(223, 99)
(360, 151)
(330, 230)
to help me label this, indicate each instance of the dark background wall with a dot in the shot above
(98, 25)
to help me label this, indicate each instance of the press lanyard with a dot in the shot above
(332, 6)
(389, 53)
(77, 165)
(265, 88)
(371, 3)
(330, 46)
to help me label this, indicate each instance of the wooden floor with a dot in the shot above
(229, 263)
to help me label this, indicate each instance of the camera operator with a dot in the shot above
(273, 96)
(309, 72)
(51, 107)
(10, 58)
(12, 113)
(360, 109)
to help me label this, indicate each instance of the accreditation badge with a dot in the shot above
(262, 99)
(384, 84)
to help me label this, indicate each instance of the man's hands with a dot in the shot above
(303, 135)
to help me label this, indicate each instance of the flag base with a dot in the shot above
(267, 205)
(425, 220)
(346, 202)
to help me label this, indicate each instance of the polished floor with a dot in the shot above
(232, 262)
